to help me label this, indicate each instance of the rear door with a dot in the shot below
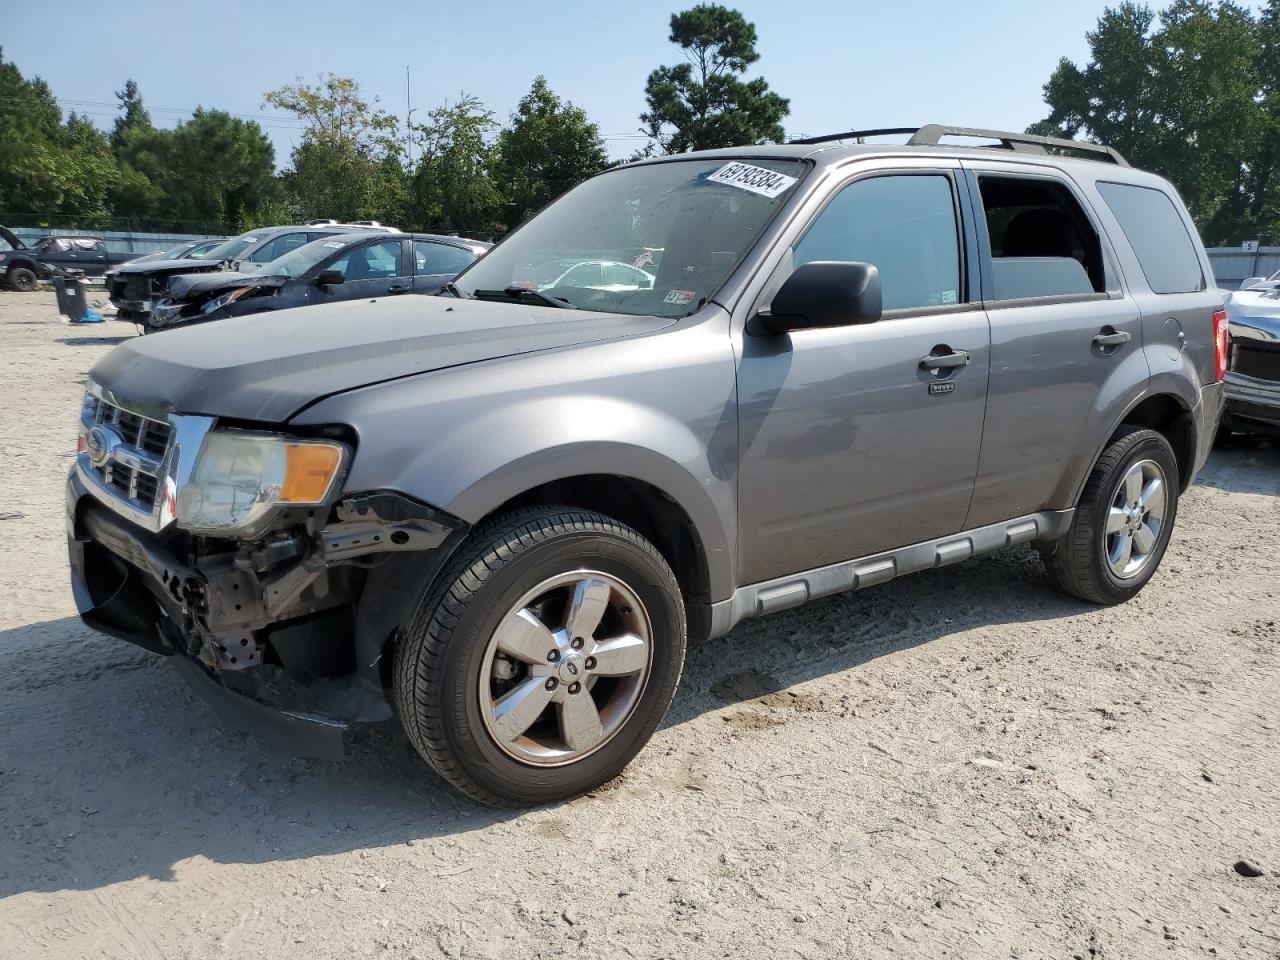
(1066, 339)
(851, 442)
(435, 264)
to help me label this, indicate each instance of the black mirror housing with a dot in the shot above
(825, 293)
(329, 277)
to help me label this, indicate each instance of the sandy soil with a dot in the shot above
(962, 764)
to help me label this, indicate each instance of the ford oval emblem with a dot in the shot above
(99, 444)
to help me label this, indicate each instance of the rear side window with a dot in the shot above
(440, 257)
(1042, 244)
(1158, 235)
(905, 225)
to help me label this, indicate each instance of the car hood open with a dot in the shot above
(268, 367)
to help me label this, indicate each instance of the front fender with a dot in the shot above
(468, 439)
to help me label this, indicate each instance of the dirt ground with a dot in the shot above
(961, 764)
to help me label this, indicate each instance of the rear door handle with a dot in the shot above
(397, 288)
(1113, 339)
(945, 361)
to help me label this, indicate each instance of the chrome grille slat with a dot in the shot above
(135, 466)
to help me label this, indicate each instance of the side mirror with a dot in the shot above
(328, 278)
(1251, 282)
(825, 293)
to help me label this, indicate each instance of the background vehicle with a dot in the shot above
(341, 267)
(133, 288)
(1252, 383)
(187, 250)
(506, 510)
(22, 266)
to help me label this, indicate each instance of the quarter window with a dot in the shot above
(1158, 235)
(905, 226)
(1042, 244)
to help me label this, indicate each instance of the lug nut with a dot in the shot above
(553, 656)
(575, 687)
(577, 643)
(590, 663)
(551, 683)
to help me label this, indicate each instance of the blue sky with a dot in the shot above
(842, 64)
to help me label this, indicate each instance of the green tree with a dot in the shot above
(221, 169)
(705, 103)
(348, 165)
(452, 186)
(1182, 94)
(549, 147)
(142, 157)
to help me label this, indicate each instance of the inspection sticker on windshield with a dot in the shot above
(767, 183)
(680, 296)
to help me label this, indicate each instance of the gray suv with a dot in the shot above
(500, 514)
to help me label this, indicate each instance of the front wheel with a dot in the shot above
(1123, 521)
(22, 279)
(543, 658)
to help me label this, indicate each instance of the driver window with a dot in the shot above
(905, 225)
(376, 261)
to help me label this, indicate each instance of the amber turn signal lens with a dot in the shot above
(309, 469)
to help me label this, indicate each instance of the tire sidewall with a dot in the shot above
(1152, 447)
(458, 678)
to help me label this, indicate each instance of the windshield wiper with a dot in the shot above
(451, 287)
(517, 293)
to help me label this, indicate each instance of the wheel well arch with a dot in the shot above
(1168, 415)
(652, 513)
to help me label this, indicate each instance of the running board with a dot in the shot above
(795, 589)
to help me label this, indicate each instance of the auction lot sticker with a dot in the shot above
(767, 183)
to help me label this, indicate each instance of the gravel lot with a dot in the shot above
(962, 764)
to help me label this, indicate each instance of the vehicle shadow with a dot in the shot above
(112, 769)
(95, 341)
(1243, 465)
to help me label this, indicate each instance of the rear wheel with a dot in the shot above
(1123, 521)
(22, 279)
(543, 659)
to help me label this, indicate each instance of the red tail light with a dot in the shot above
(1221, 344)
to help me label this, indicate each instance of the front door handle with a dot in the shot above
(1112, 339)
(945, 361)
(397, 288)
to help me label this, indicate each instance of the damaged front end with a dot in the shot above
(192, 299)
(280, 621)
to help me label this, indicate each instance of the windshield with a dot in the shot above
(175, 254)
(233, 249)
(297, 262)
(653, 239)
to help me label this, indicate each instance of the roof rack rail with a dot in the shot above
(931, 134)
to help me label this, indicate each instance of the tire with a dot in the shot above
(22, 279)
(1085, 560)
(449, 669)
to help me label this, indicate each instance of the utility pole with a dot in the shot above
(408, 114)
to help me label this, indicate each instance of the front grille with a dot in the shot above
(132, 470)
(1258, 360)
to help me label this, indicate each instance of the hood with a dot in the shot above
(167, 266)
(266, 367)
(190, 286)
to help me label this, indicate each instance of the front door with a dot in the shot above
(373, 269)
(851, 441)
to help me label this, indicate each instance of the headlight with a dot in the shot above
(217, 303)
(240, 478)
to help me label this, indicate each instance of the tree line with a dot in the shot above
(1191, 92)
